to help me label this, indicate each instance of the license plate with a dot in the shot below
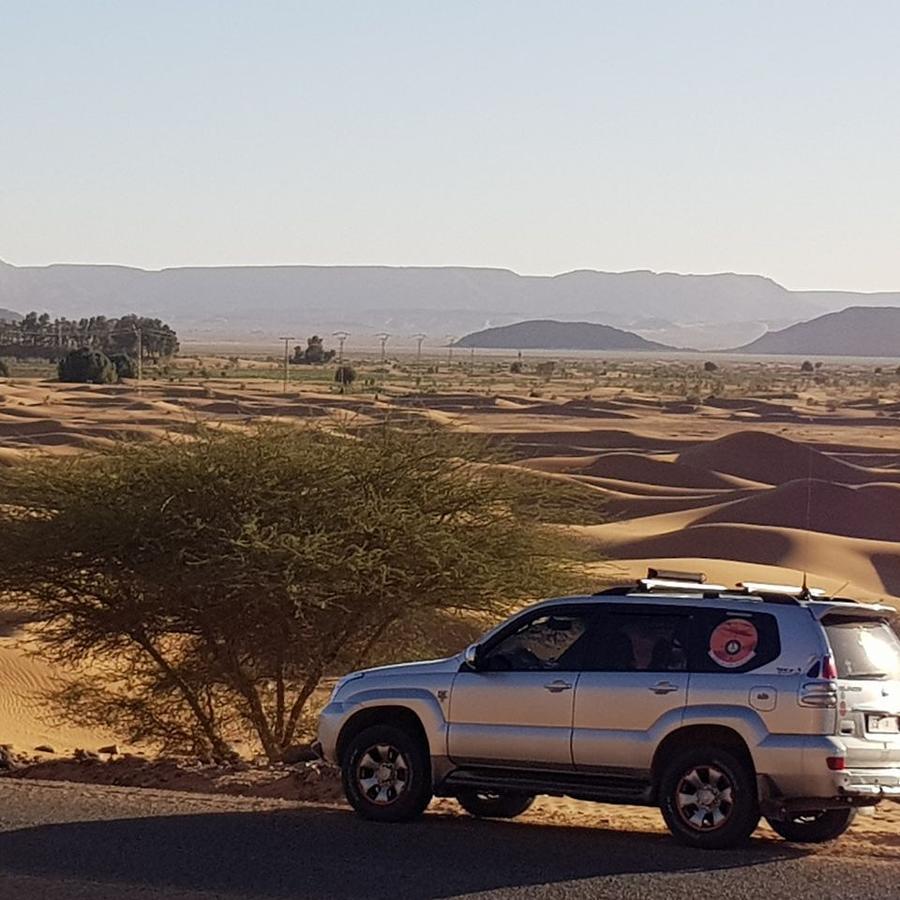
(883, 724)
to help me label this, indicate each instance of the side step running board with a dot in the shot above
(609, 788)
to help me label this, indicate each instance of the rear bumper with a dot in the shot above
(878, 784)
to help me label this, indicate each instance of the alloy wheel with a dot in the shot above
(382, 774)
(704, 798)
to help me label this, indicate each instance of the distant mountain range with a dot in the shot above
(263, 302)
(857, 331)
(7, 315)
(547, 334)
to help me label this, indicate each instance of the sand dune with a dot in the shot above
(848, 561)
(24, 721)
(760, 456)
(869, 511)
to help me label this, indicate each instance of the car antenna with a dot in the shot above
(804, 589)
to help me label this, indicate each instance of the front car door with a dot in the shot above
(633, 686)
(517, 708)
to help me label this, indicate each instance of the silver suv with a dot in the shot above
(718, 705)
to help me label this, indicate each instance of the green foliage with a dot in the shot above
(314, 354)
(214, 581)
(89, 366)
(344, 375)
(126, 367)
(40, 337)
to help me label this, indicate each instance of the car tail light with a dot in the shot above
(829, 669)
(836, 763)
(818, 695)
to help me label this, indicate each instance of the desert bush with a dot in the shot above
(344, 375)
(807, 366)
(87, 366)
(214, 581)
(710, 366)
(126, 367)
(4, 369)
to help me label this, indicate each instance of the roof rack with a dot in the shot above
(696, 583)
(672, 584)
(675, 575)
(784, 590)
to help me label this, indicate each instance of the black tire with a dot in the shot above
(728, 811)
(814, 827)
(487, 805)
(386, 774)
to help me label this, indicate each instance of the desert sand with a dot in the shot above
(753, 489)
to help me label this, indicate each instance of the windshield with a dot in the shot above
(863, 648)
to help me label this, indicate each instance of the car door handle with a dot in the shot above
(555, 687)
(664, 687)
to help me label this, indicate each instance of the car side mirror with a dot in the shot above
(473, 657)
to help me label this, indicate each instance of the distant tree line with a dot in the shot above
(39, 336)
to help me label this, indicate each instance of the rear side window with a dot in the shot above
(733, 642)
(863, 648)
(639, 642)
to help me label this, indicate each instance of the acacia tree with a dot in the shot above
(214, 581)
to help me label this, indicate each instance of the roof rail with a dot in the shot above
(784, 590)
(671, 584)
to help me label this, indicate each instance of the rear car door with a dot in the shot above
(635, 682)
(516, 709)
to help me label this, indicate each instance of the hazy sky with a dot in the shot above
(540, 136)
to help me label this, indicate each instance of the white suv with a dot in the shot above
(719, 705)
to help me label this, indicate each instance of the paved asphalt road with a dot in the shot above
(74, 841)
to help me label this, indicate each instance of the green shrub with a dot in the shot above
(87, 366)
(344, 375)
(126, 367)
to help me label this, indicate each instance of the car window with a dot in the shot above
(729, 642)
(639, 642)
(863, 648)
(547, 642)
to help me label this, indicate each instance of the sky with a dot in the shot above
(542, 137)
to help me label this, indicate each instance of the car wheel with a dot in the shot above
(708, 798)
(814, 827)
(487, 805)
(387, 774)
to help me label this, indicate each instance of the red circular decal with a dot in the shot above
(733, 643)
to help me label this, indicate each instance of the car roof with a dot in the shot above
(733, 599)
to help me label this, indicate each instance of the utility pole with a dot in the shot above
(419, 338)
(140, 356)
(286, 340)
(472, 362)
(383, 337)
(450, 341)
(341, 336)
